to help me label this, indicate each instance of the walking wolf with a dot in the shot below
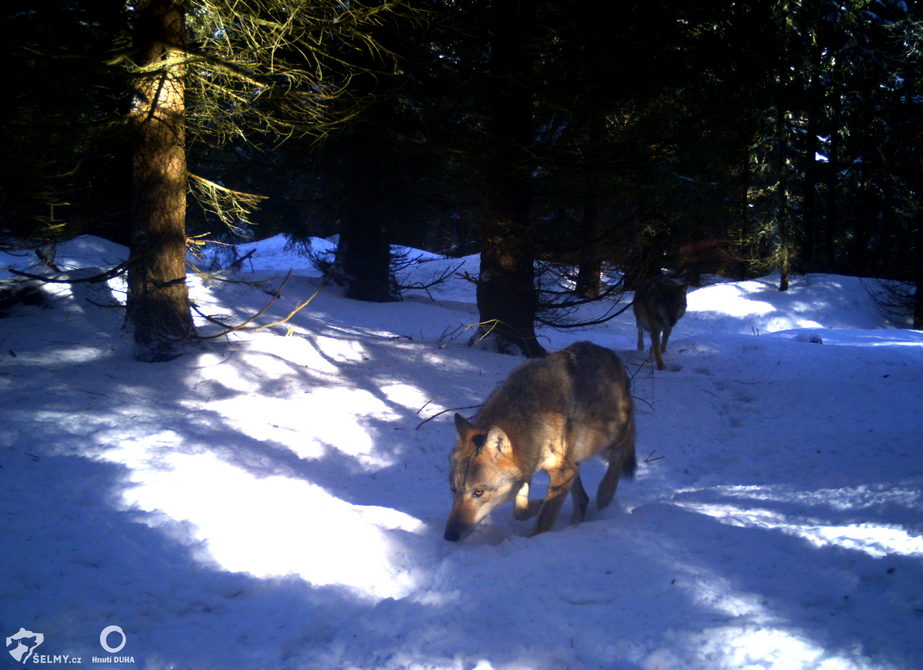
(659, 303)
(550, 414)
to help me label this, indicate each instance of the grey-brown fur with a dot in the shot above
(659, 303)
(549, 414)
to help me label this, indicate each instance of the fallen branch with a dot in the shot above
(66, 279)
(245, 325)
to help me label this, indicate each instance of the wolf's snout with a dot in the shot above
(456, 530)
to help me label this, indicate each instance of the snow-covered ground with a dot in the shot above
(270, 500)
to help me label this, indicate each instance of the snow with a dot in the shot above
(271, 499)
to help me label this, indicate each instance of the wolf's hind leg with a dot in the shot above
(580, 499)
(609, 484)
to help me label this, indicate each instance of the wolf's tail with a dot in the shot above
(629, 465)
(627, 438)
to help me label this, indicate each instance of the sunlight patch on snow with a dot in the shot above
(727, 299)
(305, 410)
(786, 322)
(861, 338)
(340, 350)
(764, 646)
(737, 301)
(876, 540)
(138, 453)
(279, 422)
(311, 423)
(873, 539)
(66, 353)
(230, 376)
(841, 499)
(717, 592)
(749, 633)
(338, 418)
(405, 395)
(278, 526)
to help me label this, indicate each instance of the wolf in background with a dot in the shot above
(549, 414)
(659, 303)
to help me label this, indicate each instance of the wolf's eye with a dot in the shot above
(477, 493)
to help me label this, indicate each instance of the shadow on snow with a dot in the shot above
(662, 584)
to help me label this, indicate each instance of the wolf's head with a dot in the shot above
(673, 299)
(482, 475)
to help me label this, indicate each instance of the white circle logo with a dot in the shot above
(104, 639)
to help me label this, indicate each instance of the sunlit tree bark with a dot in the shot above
(250, 70)
(158, 299)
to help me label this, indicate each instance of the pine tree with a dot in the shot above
(506, 288)
(158, 299)
(255, 69)
(57, 115)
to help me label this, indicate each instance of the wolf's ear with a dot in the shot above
(498, 442)
(462, 425)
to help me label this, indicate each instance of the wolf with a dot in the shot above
(549, 414)
(659, 303)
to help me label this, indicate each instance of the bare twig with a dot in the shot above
(214, 277)
(583, 324)
(448, 409)
(645, 363)
(449, 334)
(436, 281)
(649, 404)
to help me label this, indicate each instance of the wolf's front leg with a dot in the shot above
(561, 480)
(665, 339)
(524, 508)
(656, 350)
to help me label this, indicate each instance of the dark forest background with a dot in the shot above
(730, 137)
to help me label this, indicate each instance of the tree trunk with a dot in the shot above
(783, 210)
(810, 215)
(506, 294)
(590, 263)
(917, 241)
(832, 185)
(158, 307)
(589, 268)
(363, 251)
(918, 306)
